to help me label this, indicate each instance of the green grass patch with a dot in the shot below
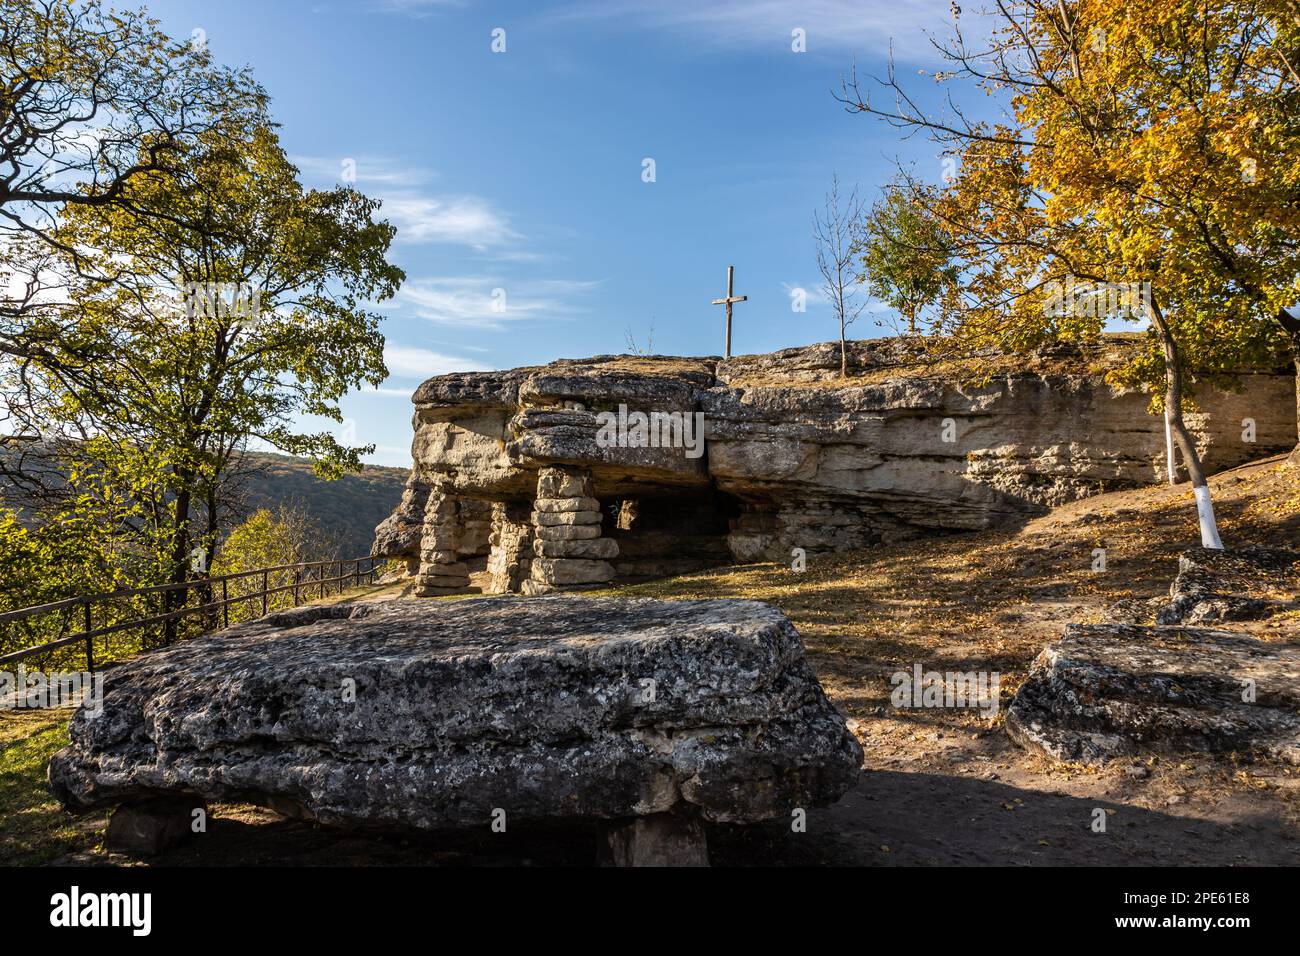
(34, 829)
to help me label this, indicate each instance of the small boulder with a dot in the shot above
(1110, 690)
(1240, 584)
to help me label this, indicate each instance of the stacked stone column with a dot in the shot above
(569, 552)
(511, 558)
(441, 570)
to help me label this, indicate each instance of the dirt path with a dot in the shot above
(914, 818)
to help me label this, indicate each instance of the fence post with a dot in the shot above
(297, 576)
(90, 642)
(169, 625)
(266, 584)
(225, 604)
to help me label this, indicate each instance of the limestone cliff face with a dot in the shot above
(794, 457)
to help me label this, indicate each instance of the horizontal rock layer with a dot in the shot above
(796, 457)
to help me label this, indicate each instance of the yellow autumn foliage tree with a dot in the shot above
(1142, 167)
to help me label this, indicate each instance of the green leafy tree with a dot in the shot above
(905, 252)
(91, 100)
(267, 539)
(270, 538)
(216, 335)
(94, 538)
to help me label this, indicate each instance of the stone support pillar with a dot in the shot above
(511, 556)
(569, 552)
(441, 570)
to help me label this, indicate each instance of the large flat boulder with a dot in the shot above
(1114, 690)
(437, 715)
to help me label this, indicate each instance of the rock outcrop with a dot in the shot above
(748, 458)
(1112, 690)
(409, 714)
(399, 535)
(1238, 585)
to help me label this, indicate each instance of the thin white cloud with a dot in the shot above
(458, 220)
(830, 25)
(420, 216)
(414, 8)
(410, 361)
(385, 391)
(514, 255)
(361, 171)
(488, 302)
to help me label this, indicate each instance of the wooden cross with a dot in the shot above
(731, 270)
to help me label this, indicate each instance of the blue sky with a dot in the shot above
(522, 170)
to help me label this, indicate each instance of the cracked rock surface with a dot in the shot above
(1112, 690)
(1240, 584)
(1129, 688)
(558, 707)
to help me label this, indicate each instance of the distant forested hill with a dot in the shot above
(347, 510)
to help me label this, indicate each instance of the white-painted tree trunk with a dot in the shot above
(1205, 512)
(1176, 425)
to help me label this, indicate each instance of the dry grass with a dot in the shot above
(33, 828)
(991, 600)
(874, 361)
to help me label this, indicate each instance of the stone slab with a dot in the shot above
(408, 714)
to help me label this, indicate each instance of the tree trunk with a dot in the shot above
(180, 561)
(1294, 457)
(844, 351)
(1291, 326)
(209, 554)
(1174, 411)
(1170, 466)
